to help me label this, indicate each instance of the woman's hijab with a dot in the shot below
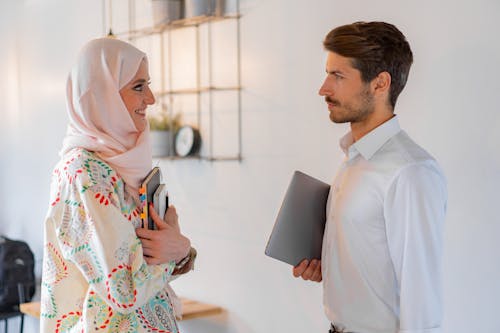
(98, 118)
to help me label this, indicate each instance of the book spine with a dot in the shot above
(143, 199)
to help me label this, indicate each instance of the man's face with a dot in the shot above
(349, 99)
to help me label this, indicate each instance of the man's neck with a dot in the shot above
(374, 120)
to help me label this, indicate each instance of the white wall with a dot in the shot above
(450, 106)
(40, 40)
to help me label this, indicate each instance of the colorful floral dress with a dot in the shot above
(95, 278)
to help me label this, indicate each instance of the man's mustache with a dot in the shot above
(332, 101)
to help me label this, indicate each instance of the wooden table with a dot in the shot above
(194, 309)
(190, 309)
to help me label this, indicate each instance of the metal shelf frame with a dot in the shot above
(164, 31)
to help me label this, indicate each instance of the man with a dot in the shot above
(381, 258)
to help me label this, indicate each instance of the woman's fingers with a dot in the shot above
(159, 222)
(172, 218)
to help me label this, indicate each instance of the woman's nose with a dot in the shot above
(150, 98)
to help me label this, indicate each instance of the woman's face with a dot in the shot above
(137, 96)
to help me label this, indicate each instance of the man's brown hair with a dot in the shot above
(374, 47)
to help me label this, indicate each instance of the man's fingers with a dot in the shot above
(310, 270)
(316, 276)
(300, 268)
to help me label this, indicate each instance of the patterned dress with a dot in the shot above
(94, 276)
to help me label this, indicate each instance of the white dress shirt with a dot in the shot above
(381, 260)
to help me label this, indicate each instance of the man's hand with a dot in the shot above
(166, 243)
(309, 271)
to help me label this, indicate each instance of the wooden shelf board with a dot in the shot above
(190, 309)
(188, 91)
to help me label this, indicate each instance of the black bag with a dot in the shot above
(16, 269)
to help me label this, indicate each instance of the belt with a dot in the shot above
(335, 329)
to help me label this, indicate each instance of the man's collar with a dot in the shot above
(371, 142)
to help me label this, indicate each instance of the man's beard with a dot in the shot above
(348, 113)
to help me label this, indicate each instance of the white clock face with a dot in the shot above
(184, 141)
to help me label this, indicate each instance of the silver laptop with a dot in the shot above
(298, 230)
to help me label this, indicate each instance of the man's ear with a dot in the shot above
(381, 83)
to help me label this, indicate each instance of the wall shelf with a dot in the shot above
(189, 91)
(214, 108)
(176, 24)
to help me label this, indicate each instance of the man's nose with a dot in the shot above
(324, 89)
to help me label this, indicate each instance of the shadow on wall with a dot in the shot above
(220, 323)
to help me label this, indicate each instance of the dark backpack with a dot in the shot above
(16, 271)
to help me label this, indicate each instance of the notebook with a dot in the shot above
(147, 190)
(298, 230)
(160, 201)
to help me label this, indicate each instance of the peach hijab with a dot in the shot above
(98, 118)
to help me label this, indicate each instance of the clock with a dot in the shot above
(187, 141)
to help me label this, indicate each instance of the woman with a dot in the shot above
(101, 271)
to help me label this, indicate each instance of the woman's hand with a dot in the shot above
(166, 243)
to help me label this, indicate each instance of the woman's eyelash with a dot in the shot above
(140, 86)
